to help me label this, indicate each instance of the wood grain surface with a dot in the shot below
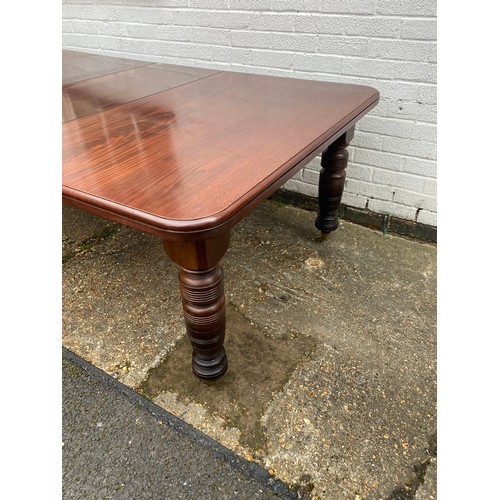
(97, 94)
(198, 156)
(77, 68)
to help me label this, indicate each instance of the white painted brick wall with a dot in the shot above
(387, 44)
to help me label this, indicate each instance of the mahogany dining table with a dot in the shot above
(184, 153)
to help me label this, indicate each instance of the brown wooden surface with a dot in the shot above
(76, 68)
(197, 157)
(70, 55)
(331, 182)
(201, 282)
(97, 94)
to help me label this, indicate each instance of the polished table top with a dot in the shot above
(183, 152)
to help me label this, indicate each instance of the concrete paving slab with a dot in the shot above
(81, 231)
(332, 346)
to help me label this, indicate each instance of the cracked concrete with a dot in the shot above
(332, 346)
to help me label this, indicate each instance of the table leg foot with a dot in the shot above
(205, 315)
(201, 282)
(331, 182)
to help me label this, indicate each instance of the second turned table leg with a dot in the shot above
(331, 182)
(202, 290)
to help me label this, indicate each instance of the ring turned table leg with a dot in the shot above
(202, 291)
(331, 182)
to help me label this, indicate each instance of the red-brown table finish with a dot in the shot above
(185, 153)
